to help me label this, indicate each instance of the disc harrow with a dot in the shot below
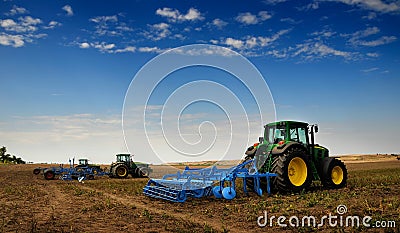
(197, 183)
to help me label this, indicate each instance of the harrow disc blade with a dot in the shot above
(228, 193)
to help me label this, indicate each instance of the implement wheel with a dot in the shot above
(36, 171)
(334, 173)
(49, 175)
(293, 169)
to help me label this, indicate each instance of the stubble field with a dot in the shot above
(29, 203)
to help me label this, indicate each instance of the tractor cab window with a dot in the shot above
(276, 134)
(83, 162)
(123, 158)
(298, 135)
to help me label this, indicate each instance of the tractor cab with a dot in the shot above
(279, 135)
(125, 158)
(282, 132)
(83, 162)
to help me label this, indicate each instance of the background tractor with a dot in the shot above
(288, 149)
(125, 166)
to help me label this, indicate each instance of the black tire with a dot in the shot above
(121, 171)
(36, 171)
(334, 173)
(49, 175)
(145, 172)
(142, 172)
(291, 179)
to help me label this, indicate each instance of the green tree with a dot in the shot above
(7, 158)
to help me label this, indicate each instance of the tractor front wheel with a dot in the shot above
(142, 172)
(293, 170)
(334, 173)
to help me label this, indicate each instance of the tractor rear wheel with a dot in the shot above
(121, 171)
(49, 175)
(293, 169)
(334, 173)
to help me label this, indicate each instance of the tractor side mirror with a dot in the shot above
(316, 128)
(261, 139)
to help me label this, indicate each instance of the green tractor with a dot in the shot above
(125, 166)
(85, 163)
(288, 149)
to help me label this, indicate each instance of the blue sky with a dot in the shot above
(65, 67)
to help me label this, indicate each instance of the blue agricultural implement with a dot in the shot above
(80, 172)
(221, 182)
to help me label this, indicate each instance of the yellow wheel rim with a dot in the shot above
(297, 171)
(121, 171)
(337, 175)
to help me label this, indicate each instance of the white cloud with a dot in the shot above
(11, 40)
(158, 31)
(367, 32)
(277, 54)
(162, 29)
(24, 24)
(370, 16)
(238, 44)
(104, 19)
(219, 23)
(249, 43)
(84, 45)
(109, 26)
(370, 70)
(52, 25)
(311, 6)
(248, 18)
(324, 33)
(17, 10)
(264, 15)
(193, 14)
(103, 47)
(375, 5)
(161, 26)
(290, 20)
(274, 2)
(131, 49)
(381, 41)
(372, 54)
(7, 23)
(28, 20)
(314, 50)
(150, 50)
(264, 41)
(68, 10)
(174, 15)
(357, 38)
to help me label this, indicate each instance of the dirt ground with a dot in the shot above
(29, 203)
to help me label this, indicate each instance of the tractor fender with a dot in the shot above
(282, 148)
